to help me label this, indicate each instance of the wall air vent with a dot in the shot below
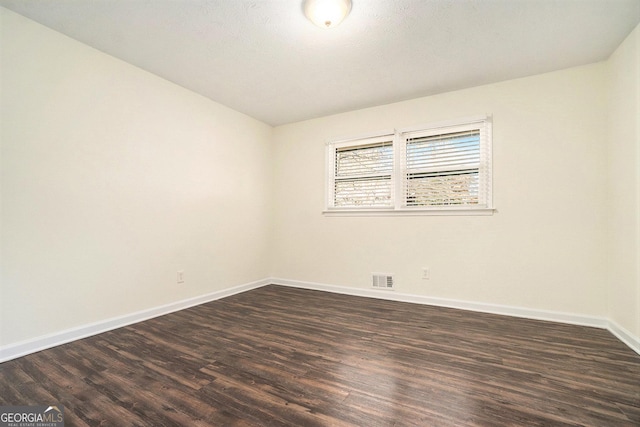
(382, 281)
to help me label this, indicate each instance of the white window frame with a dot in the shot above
(399, 173)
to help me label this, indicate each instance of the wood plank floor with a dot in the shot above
(278, 356)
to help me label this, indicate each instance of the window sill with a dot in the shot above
(410, 212)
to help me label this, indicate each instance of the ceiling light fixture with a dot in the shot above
(327, 13)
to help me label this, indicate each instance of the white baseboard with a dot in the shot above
(625, 336)
(553, 316)
(23, 348)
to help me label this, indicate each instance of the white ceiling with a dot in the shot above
(263, 58)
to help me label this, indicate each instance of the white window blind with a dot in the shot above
(362, 174)
(442, 168)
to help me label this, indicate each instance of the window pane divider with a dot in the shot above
(467, 167)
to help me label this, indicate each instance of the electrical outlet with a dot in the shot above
(180, 276)
(426, 273)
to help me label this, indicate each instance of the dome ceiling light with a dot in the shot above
(327, 13)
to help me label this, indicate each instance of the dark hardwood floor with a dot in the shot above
(283, 356)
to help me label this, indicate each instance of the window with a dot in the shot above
(362, 173)
(442, 168)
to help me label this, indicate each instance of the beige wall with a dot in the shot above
(624, 184)
(543, 249)
(112, 180)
